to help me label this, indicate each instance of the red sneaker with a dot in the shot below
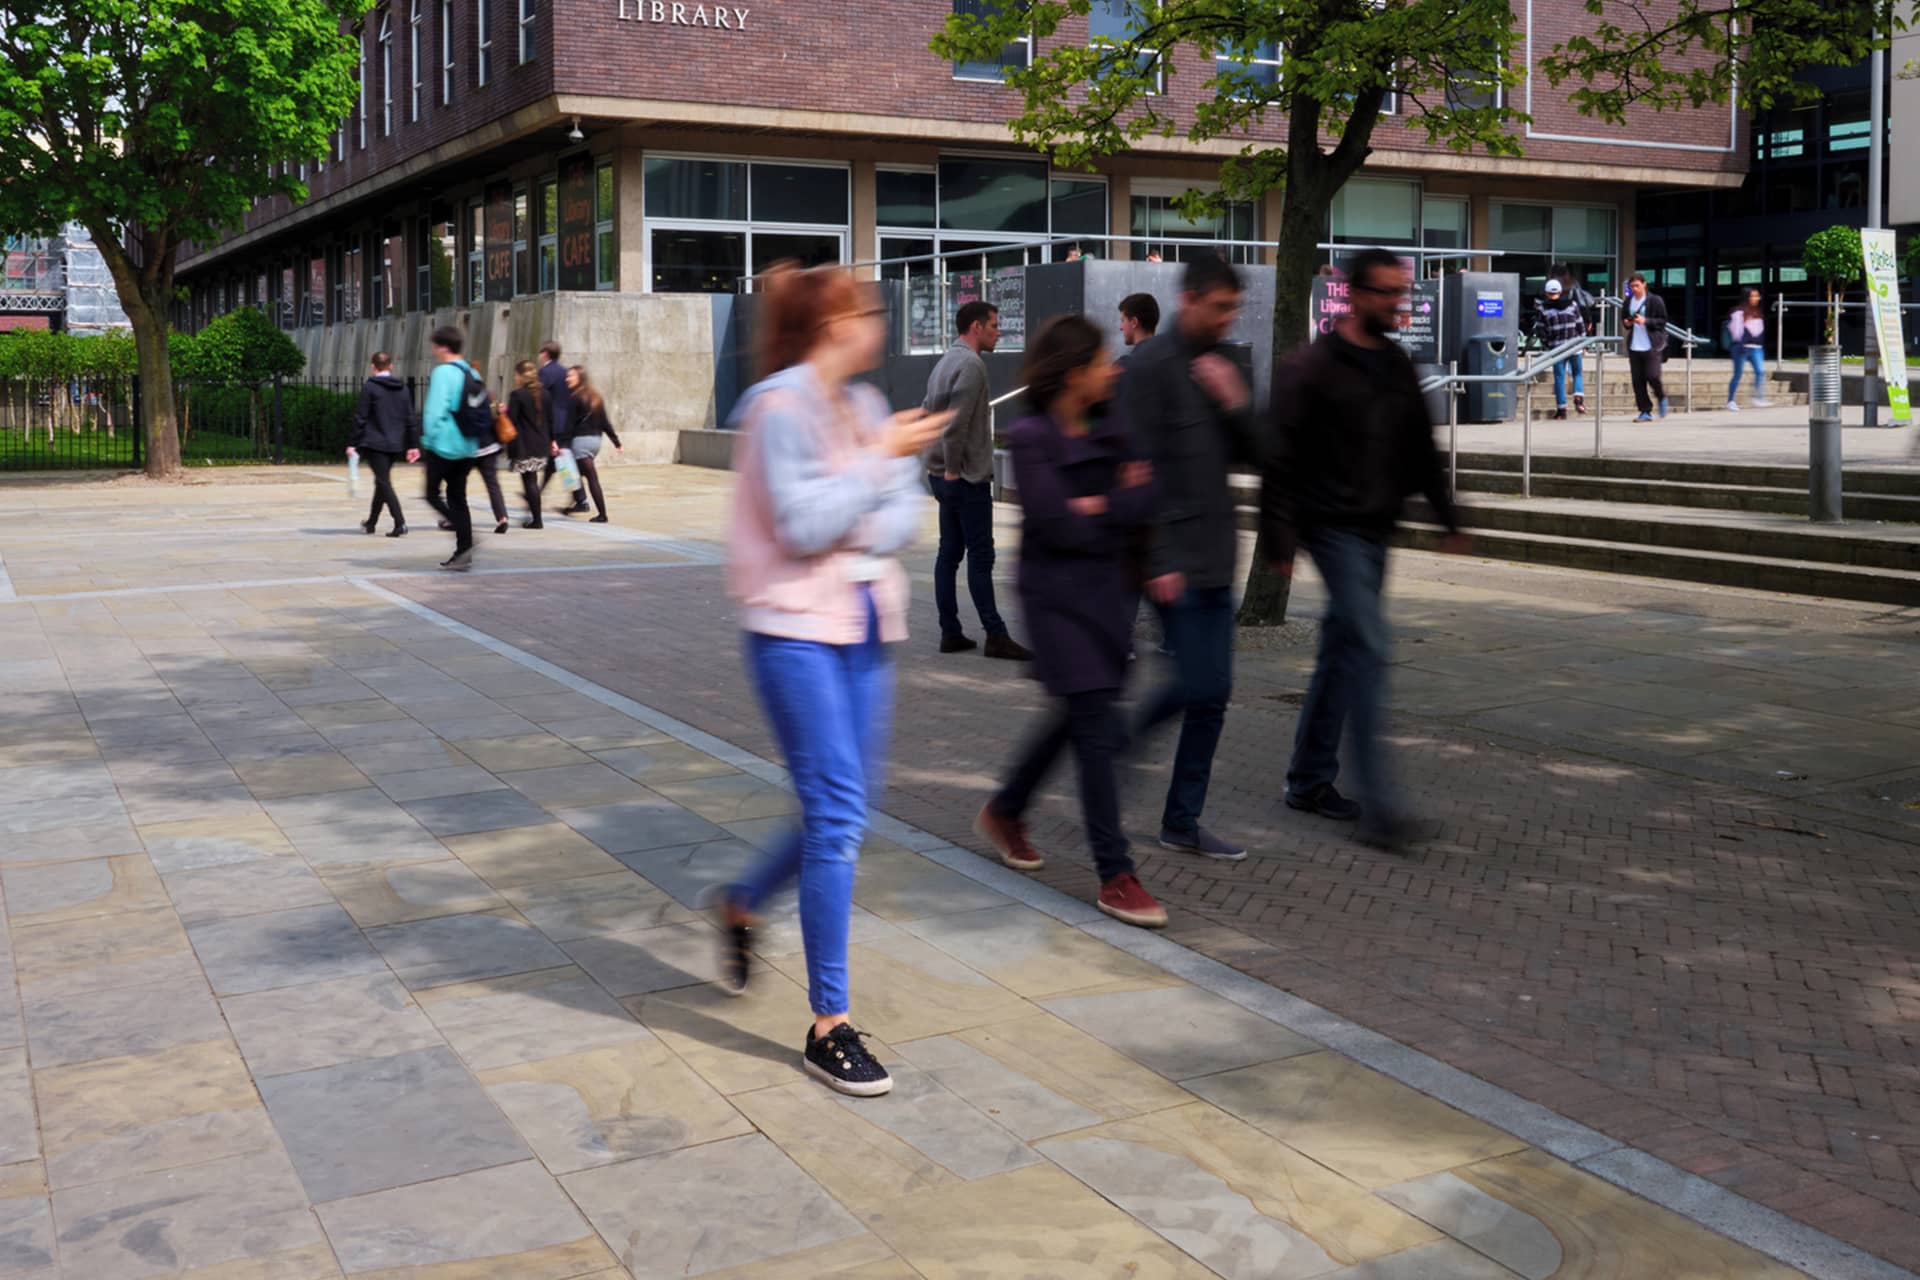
(1127, 900)
(1009, 838)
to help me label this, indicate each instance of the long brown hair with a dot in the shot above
(526, 376)
(1754, 307)
(585, 396)
(798, 304)
(1067, 343)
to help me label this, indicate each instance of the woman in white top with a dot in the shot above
(1747, 335)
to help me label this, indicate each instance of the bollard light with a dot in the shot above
(1823, 434)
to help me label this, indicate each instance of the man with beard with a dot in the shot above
(1351, 440)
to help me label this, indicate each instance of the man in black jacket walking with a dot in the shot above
(1646, 320)
(1193, 417)
(385, 428)
(1351, 440)
(553, 384)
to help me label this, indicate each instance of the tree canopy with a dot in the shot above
(160, 122)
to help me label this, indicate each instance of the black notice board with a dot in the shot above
(499, 245)
(576, 223)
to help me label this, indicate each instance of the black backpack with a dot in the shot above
(475, 414)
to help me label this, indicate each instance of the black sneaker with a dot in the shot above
(1326, 802)
(736, 949)
(841, 1062)
(957, 643)
(1003, 646)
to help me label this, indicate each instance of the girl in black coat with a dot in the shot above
(1086, 498)
(588, 424)
(533, 446)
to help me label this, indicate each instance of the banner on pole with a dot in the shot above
(1883, 300)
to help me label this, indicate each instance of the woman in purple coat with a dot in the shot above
(1086, 496)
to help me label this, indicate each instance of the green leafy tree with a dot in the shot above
(1338, 60)
(1833, 257)
(156, 123)
(243, 348)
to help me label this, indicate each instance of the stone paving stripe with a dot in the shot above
(1763, 1229)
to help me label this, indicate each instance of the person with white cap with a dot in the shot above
(1562, 321)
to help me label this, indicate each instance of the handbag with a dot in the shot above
(503, 429)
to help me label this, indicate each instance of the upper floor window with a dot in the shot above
(361, 131)
(1475, 88)
(1256, 68)
(446, 52)
(386, 73)
(1017, 56)
(415, 21)
(482, 42)
(1115, 22)
(527, 44)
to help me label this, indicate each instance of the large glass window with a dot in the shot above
(1536, 237)
(1376, 211)
(605, 255)
(476, 252)
(1079, 208)
(522, 271)
(1255, 68)
(905, 198)
(1016, 56)
(714, 222)
(1115, 22)
(993, 195)
(549, 228)
(1173, 237)
(482, 41)
(1444, 223)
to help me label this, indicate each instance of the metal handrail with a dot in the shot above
(1452, 380)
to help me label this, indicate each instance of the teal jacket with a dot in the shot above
(439, 427)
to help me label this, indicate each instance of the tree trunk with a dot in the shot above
(1302, 218)
(156, 389)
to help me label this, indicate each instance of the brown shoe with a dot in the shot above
(1009, 839)
(1005, 646)
(1127, 900)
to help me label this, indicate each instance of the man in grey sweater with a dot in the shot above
(960, 473)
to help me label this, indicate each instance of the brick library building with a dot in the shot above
(609, 173)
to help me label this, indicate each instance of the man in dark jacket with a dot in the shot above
(1351, 440)
(553, 382)
(385, 428)
(1194, 418)
(1646, 320)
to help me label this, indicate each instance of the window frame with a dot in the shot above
(529, 46)
(1026, 64)
(1159, 88)
(546, 236)
(361, 131)
(474, 246)
(522, 236)
(446, 53)
(482, 42)
(1278, 62)
(746, 227)
(606, 275)
(386, 72)
(1170, 189)
(416, 21)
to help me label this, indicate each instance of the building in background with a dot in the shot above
(610, 172)
(58, 282)
(1703, 249)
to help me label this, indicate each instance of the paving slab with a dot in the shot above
(323, 1024)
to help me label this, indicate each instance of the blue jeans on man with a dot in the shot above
(1572, 369)
(966, 532)
(1349, 678)
(1199, 630)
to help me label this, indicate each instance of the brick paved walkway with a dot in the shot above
(288, 871)
(1672, 886)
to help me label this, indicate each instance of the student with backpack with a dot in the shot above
(457, 421)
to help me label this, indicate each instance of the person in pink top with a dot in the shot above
(1747, 335)
(829, 493)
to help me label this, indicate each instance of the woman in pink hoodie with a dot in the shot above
(829, 493)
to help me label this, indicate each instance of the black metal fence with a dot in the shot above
(93, 423)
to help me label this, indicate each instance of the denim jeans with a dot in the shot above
(1349, 678)
(1572, 367)
(1089, 721)
(1755, 355)
(1199, 630)
(830, 706)
(966, 532)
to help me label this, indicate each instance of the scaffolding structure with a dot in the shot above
(63, 275)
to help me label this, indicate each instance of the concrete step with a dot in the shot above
(1775, 499)
(1858, 480)
(1759, 573)
(1860, 544)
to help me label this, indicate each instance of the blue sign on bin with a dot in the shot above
(1492, 306)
